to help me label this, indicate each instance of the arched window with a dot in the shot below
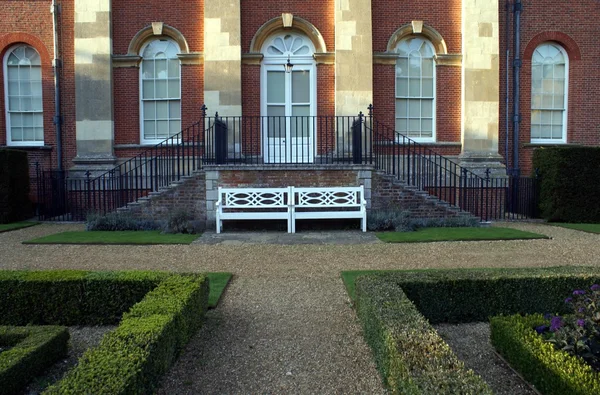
(415, 89)
(23, 86)
(160, 91)
(549, 85)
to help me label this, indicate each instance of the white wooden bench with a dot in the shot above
(298, 203)
(325, 202)
(253, 203)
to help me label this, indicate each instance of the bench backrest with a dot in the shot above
(254, 197)
(329, 197)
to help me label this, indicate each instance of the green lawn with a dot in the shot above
(590, 228)
(122, 237)
(218, 282)
(16, 225)
(457, 234)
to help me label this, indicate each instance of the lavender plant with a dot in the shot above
(578, 333)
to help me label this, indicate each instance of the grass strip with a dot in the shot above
(151, 237)
(427, 235)
(16, 225)
(589, 228)
(218, 282)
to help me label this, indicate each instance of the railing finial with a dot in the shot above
(370, 108)
(216, 114)
(203, 109)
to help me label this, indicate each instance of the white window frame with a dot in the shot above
(563, 140)
(433, 137)
(9, 141)
(144, 141)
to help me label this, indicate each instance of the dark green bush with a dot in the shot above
(131, 359)
(409, 354)
(119, 222)
(551, 371)
(467, 295)
(569, 188)
(34, 349)
(14, 186)
(394, 219)
(71, 297)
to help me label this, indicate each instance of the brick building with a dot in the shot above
(132, 73)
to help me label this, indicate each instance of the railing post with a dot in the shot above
(88, 190)
(371, 142)
(357, 139)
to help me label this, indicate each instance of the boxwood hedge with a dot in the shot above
(409, 354)
(552, 371)
(14, 186)
(34, 348)
(396, 309)
(165, 310)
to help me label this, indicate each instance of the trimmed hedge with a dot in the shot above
(468, 295)
(34, 349)
(551, 371)
(569, 188)
(151, 335)
(69, 297)
(14, 186)
(409, 354)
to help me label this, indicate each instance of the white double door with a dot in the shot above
(288, 121)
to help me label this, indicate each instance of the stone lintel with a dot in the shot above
(324, 57)
(191, 58)
(252, 58)
(385, 58)
(119, 61)
(450, 59)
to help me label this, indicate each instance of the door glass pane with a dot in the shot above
(275, 87)
(300, 121)
(301, 87)
(275, 123)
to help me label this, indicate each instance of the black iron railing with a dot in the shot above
(277, 140)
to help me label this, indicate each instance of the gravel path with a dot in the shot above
(285, 324)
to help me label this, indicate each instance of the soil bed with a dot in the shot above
(471, 344)
(82, 338)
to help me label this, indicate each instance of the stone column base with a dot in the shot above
(95, 165)
(479, 163)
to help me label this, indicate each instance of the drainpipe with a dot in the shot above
(56, 65)
(517, 87)
(507, 36)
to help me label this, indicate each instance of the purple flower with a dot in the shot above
(581, 309)
(555, 323)
(580, 322)
(579, 292)
(595, 287)
(548, 316)
(568, 300)
(541, 329)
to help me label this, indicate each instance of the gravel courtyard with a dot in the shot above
(285, 324)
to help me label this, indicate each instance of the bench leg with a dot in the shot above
(219, 224)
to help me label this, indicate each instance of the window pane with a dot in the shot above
(548, 86)
(276, 126)
(149, 110)
(536, 117)
(28, 134)
(39, 134)
(174, 89)
(426, 128)
(26, 104)
(36, 104)
(559, 71)
(414, 87)
(414, 125)
(161, 89)
(535, 132)
(13, 73)
(13, 87)
(16, 134)
(402, 67)
(427, 67)
(559, 87)
(414, 108)
(36, 88)
(428, 87)
(148, 90)
(427, 108)
(162, 110)
(160, 68)
(173, 68)
(175, 127)
(148, 69)
(547, 101)
(536, 72)
(24, 73)
(401, 108)
(401, 125)
(557, 118)
(149, 132)
(536, 101)
(14, 104)
(27, 119)
(546, 117)
(559, 101)
(414, 66)
(275, 87)
(38, 120)
(162, 129)
(25, 87)
(301, 123)
(557, 132)
(300, 87)
(175, 109)
(401, 87)
(36, 74)
(548, 71)
(16, 120)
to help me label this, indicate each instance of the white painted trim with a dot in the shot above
(566, 111)
(9, 141)
(151, 142)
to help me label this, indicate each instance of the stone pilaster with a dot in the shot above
(480, 90)
(222, 57)
(353, 56)
(93, 85)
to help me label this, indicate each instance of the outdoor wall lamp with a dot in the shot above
(288, 66)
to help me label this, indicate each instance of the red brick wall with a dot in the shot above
(131, 16)
(284, 178)
(575, 28)
(387, 18)
(29, 22)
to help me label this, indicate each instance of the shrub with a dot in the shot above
(569, 192)
(467, 295)
(551, 371)
(132, 358)
(34, 349)
(119, 222)
(394, 219)
(578, 333)
(409, 354)
(14, 186)
(180, 221)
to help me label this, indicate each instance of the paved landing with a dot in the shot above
(283, 238)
